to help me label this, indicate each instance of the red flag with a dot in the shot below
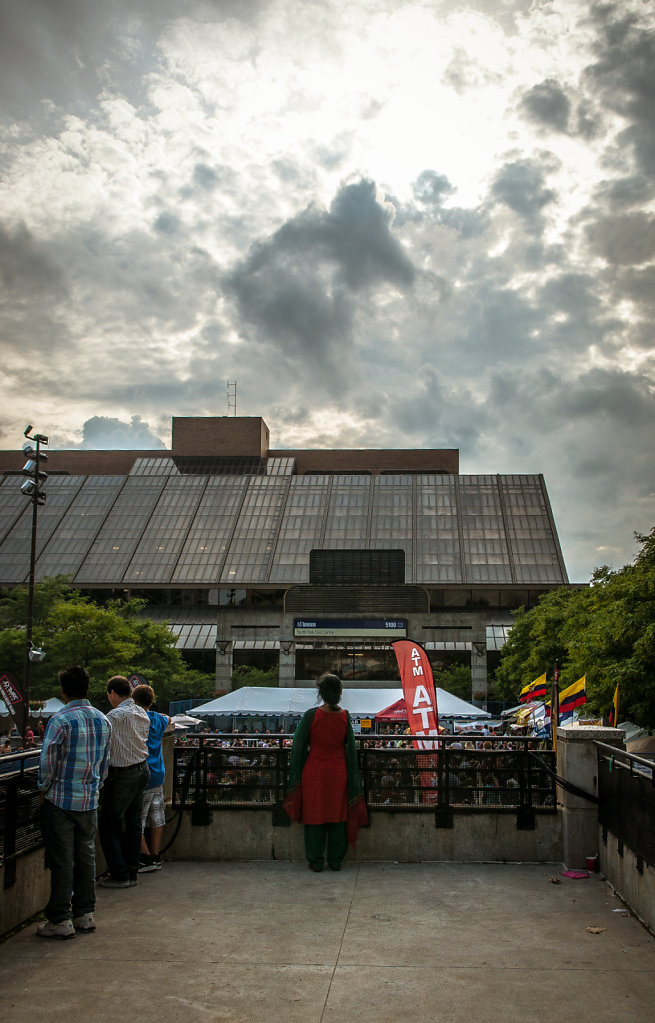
(418, 689)
(422, 714)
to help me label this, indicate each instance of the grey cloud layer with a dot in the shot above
(423, 321)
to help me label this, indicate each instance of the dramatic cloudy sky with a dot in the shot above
(394, 224)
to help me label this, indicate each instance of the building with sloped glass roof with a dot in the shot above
(311, 560)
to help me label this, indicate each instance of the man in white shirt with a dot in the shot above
(121, 798)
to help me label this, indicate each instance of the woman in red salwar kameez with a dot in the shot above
(325, 789)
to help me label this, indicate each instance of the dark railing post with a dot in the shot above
(11, 819)
(443, 814)
(525, 820)
(201, 814)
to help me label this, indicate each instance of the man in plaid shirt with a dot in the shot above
(73, 766)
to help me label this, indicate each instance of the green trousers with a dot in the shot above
(316, 836)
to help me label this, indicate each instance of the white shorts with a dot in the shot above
(153, 814)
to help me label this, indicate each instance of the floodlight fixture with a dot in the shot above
(28, 430)
(36, 654)
(28, 488)
(31, 452)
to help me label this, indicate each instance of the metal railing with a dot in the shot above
(20, 827)
(230, 772)
(626, 800)
(217, 774)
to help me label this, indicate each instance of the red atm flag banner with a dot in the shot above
(418, 689)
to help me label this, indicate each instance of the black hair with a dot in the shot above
(118, 684)
(74, 681)
(330, 689)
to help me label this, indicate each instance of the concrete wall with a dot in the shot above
(635, 886)
(28, 895)
(404, 837)
(577, 762)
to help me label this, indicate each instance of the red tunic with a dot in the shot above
(324, 776)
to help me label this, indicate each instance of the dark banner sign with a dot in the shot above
(351, 628)
(11, 692)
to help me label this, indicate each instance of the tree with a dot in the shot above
(605, 632)
(249, 675)
(535, 642)
(455, 679)
(114, 639)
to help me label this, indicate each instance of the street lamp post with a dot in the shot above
(32, 488)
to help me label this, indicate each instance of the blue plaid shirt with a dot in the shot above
(75, 756)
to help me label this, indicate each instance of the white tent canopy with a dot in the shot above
(361, 703)
(49, 708)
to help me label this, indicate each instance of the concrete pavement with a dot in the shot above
(375, 943)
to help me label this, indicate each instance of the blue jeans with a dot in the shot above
(119, 819)
(70, 850)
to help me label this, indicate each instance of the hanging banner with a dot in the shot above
(422, 713)
(11, 691)
(418, 689)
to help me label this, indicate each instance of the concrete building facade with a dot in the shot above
(309, 559)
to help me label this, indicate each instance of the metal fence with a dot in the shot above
(20, 828)
(626, 800)
(217, 774)
(225, 772)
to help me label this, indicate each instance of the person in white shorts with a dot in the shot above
(153, 814)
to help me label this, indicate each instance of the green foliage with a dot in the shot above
(114, 639)
(605, 632)
(248, 675)
(455, 679)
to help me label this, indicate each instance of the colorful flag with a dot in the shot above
(614, 712)
(572, 697)
(534, 690)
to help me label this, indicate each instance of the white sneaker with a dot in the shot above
(64, 929)
(84, 922)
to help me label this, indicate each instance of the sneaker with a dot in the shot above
(148, 864)
(64, 929)
(84, 923)
(111, 882)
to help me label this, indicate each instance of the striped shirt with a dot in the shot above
(130, 725)
(75, 756)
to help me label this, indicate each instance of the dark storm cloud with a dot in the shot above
(624, 74)
(639, 285)
(592, 420)
(547, 104)
(299, 287)
(104, 434)
(625, 192)
(627, 240)
(521, 186)
(26, 268)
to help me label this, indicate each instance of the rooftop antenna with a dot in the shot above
(232, 397)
